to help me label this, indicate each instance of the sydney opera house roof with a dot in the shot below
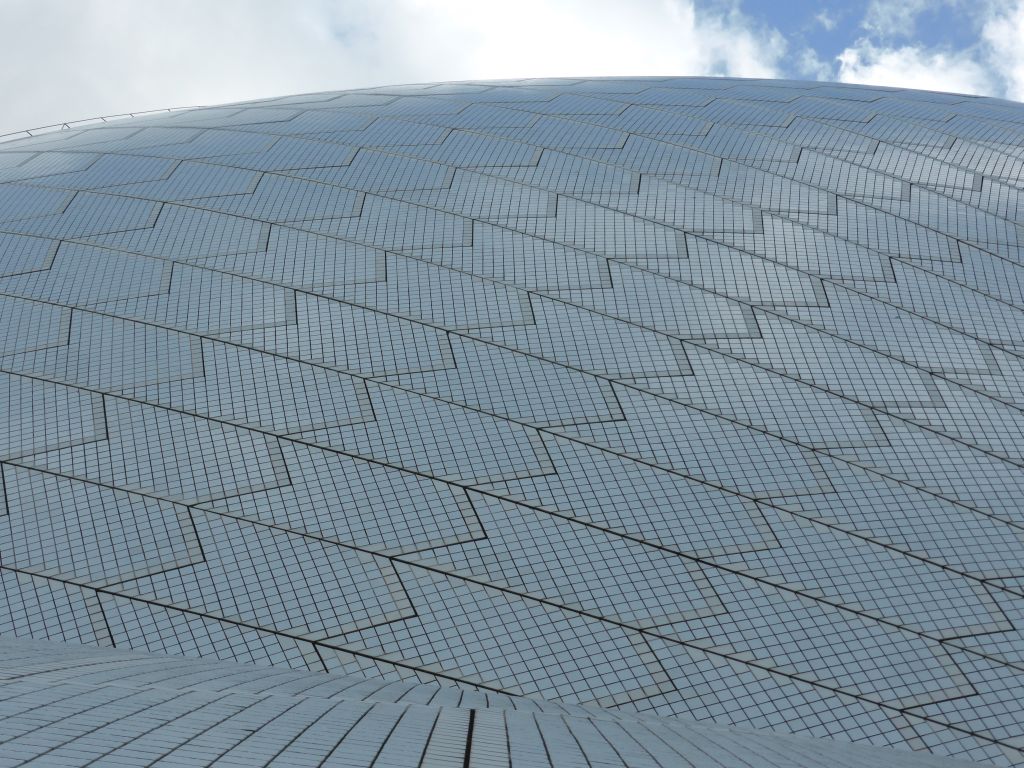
(616, 422)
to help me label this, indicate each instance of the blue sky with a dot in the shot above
(62, 60)
(834, 40)
(830, 27)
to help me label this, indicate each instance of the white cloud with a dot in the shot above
(62, 60)
(992, 65)
(914, 66)
(1002, 34)
(826, 20)
(810, 65)
(890, 18)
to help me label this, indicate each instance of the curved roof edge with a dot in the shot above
(157, 707)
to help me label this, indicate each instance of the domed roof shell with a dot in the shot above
(687, 397)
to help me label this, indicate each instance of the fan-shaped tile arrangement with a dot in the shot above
(85, 706)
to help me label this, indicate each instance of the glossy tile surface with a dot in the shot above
(689, 398)
(72, 705)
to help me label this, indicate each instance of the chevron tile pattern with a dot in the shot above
(674, 398)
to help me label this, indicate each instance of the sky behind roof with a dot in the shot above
(64, 60)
